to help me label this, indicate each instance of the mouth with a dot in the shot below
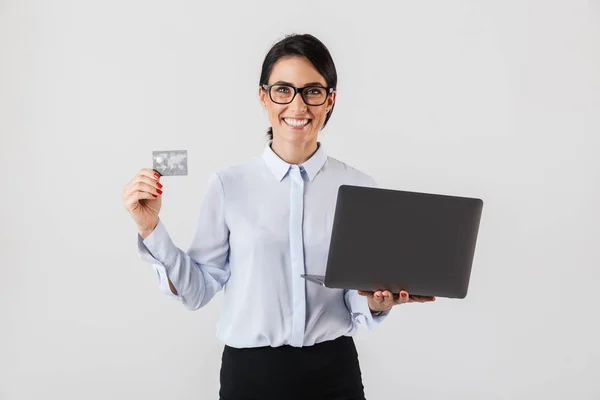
(297, 123)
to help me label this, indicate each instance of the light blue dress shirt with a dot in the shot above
(261, 225)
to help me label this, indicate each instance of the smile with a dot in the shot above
(296, 123)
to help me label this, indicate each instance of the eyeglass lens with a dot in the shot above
(312, 95)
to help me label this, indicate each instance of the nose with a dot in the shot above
(298, 104)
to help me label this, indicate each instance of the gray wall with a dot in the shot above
(492, 99)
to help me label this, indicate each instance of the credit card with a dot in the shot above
(170, 162)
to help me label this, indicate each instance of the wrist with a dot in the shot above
(376, 313)
(146, 231)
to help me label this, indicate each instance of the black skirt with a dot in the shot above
(328, 370)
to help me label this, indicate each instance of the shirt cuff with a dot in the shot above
(157, 243)
(362, 313)
(376, 317)
(158, 246)
(163, 282)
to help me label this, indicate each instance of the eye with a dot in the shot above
(283, 89)
(315, 91)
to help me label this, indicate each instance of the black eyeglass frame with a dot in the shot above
(267, 88)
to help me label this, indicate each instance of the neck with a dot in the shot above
(294, 153)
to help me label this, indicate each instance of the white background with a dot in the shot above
(494, 99)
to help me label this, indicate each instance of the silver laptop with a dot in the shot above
(395, 240)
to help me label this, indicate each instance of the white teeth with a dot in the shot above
(296, 122)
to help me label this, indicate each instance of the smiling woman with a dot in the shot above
(299, 64)
(262, 225)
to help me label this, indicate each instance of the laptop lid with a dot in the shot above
(389, 239)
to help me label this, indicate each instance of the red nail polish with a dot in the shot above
(159, 185)
(159, 191)
(157, 176)
(403, 294)
(154, 195)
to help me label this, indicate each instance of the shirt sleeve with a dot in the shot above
(359, 310)
(203, 270)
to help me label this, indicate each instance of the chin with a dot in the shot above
(297, 138)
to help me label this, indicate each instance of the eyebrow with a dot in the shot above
(290, 84)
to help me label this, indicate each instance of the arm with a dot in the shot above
(197, 275)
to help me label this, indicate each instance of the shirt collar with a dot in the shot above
(279, 168)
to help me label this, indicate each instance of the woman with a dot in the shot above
(261, 225)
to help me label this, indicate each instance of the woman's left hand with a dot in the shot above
(384, 300)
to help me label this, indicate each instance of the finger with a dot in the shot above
(133, 200)
(150, 181)
(388, 299)
(150, 173)
(421, 299)
(139, 192)
(365, 293)
(147, 173)
(144, 187)
(402, 297)
(378, 296)
(137, 196)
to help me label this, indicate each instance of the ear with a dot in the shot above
(262, 97)
(331, 100)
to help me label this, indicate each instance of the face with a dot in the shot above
(296, 122)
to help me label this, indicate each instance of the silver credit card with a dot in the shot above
(170, 162)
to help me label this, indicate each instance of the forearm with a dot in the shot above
(195, 284)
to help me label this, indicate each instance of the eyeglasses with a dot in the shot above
(285, 94)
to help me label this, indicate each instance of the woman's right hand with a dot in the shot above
(142, 198)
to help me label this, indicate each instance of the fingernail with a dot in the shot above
(403, 294)
(159, 191)
(154, 195)
(159, 185)
(156, 175)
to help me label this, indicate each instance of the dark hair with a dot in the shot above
(306, 46)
